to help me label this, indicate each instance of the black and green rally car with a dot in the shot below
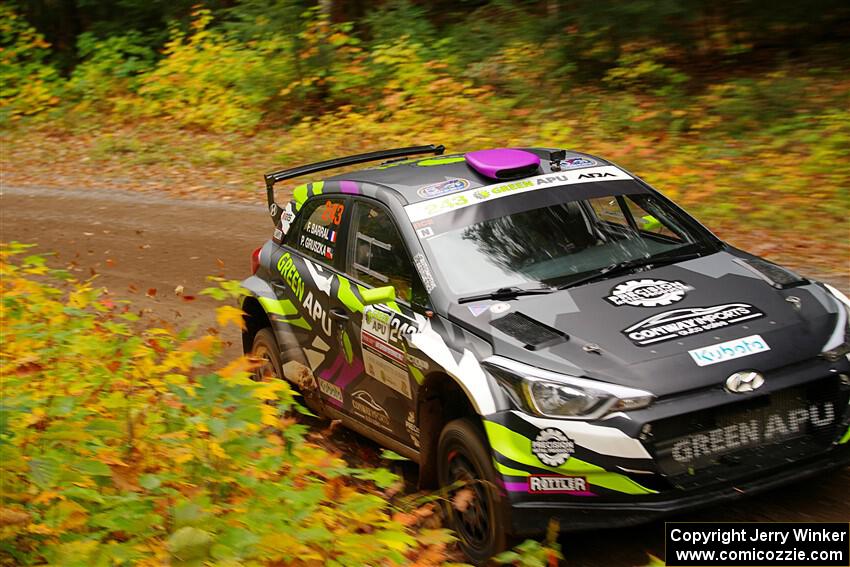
(544, 326)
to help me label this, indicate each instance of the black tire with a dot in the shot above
(464, 456)
(265, 348)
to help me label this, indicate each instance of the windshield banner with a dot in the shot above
(456, 201)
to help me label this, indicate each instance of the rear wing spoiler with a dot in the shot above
(309, 169)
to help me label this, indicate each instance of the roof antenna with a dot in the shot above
(555, 159)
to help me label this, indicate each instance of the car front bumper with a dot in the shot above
(532, 517)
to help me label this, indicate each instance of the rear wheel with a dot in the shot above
(266, 350)
(475, 509)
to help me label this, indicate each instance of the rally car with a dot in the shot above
(545, 327)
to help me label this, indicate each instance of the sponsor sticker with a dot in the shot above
(497, 308)
(648, 293)
(424, 272)
(443, 188)
(689, 321)
(412, 429)
(773, 427)
(729, 350)
(425, 232)
(556, 484)
(576, 162)
(552, 447)
(330, 390)
(365, 406)
(386, 364)
(478, 308)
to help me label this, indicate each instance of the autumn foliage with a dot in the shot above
(119, 446)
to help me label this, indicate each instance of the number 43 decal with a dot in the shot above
(333, 213)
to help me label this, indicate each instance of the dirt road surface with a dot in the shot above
(139, 242)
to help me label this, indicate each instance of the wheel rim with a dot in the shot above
(473, 523)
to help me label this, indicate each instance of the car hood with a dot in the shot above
(648, 329)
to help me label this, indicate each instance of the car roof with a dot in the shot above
(405, 177)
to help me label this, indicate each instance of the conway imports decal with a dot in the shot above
(456, 201)
(689, 321)
(365, 406)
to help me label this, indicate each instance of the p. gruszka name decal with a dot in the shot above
(689, 321)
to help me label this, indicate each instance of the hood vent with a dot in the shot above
(776, 276)
(534, 334)
(503, 163)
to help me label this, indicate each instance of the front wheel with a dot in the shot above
(474, 508)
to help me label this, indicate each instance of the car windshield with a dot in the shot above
(557, 237)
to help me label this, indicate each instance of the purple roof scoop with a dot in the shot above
(503, 163)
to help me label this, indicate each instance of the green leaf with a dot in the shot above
(93, 468)
(189, 543)
(44, 471)
(149, 482)
(392, 456)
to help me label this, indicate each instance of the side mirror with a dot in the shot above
(375, 295)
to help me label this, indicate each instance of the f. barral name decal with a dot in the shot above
(775, 427)
(552, 447)
(689, 321)
(455, 201)
(648, 293)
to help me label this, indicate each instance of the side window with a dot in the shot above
(316, 233)
(378, 256)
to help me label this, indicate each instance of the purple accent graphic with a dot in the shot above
(499, 162)
(523, 487)
(349, 187)
(347, 372)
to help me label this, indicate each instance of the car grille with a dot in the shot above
(753, 435)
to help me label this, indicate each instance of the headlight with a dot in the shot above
(551, 394)
(838, 344)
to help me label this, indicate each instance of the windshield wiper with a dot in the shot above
(609, 271)
(631, 265)
(506, 293)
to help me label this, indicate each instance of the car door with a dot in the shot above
(311, 341)
(385, 395)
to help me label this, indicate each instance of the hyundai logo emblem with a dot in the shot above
(746, 381)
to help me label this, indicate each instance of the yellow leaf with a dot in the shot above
(227, 314)
(269, 414)
(269, 390)
(217, 451)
